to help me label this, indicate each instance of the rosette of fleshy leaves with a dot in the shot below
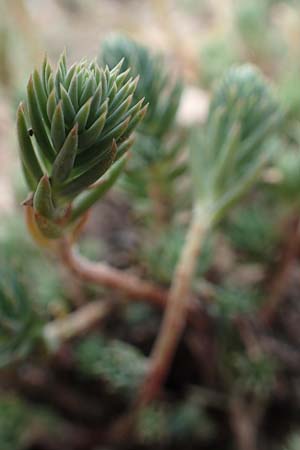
(229, 152)
(156, 167)
(75, 124)
(156, 85)
(19, 322)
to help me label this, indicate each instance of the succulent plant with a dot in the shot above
(156, 85)
(75, 124)
(229, 152)
(120, 365)
(14, 422)
(155, 167)
(19, 323)
(251, 230)
(162, 253)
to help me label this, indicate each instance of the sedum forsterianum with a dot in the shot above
(156, 169)
(226, 159)
(229, 153)
(156, 84)
(75, 124)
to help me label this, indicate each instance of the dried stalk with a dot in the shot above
(177, 311)
(75, 323)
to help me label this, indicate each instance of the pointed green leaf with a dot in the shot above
(124, 147)
(40, 94)
(88, 199)
(42, 199)
(83, 114)
(121, 95)
(73, 91)
(89, 177)
(136, 119)
(95, 106)
(68, 108)
(64, 161)
(119, 112)
(58, 133)
(27, 152)
(88, 90)
(38, 124)
(51, 105)
(115, 133)
(70, 75)
(89, 137)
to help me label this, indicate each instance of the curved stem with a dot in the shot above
(104, 275)
(177, 310)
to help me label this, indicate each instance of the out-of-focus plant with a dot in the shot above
(231, 301)
(14, 421)
(119, 365)
(288, 166)
(155, 85)
(227, 156)
(156, 168)
(162, 255)
(161, 422)
(254, 26)
(216, 56)
(20, 421)
(251, 230)
(19, 323)
(293, 443)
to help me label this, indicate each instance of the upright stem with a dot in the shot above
(176, 313)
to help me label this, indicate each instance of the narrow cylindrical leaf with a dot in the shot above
(64, 161)
(90, 176)
(121, 95)
(115, 133)
(68, 108)
(119, 112)
(89, 89)
(89, 137)
(38, 124)
(51, 105)
(27, 152)
(83, 114)
(40, 94)
(93, 195)
(58, 134)
(73, 91)
(96, 103)
(42, 199)
(70, 76)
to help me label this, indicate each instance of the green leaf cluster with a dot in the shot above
(19, 323)
(76, 122)
(229, 152)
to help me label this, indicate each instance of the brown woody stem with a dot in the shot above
(176, 312)
(104, 275)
